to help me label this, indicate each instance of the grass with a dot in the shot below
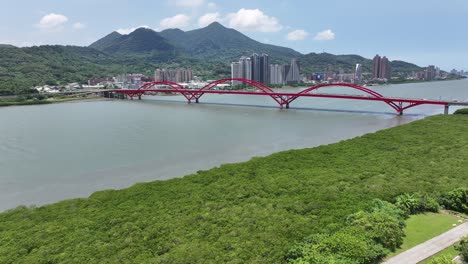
(422, 227)
(250, 212)
(448, 252)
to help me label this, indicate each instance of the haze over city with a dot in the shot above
(423, 32)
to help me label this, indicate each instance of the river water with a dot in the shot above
(54, 152)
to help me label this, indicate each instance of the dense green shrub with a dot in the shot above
(463, 111)
(441, 260)
(462, 248)
(456, 200)
(414, 203)
(367, 237)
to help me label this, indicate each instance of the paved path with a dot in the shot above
(430, 247)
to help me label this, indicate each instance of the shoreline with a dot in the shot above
(54, 101)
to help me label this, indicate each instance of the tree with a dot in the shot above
(456, 200)
(462, 247)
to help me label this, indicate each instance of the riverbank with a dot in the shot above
(245, 212)
(52, 100)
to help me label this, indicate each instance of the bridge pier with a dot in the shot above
(287, 105)
(446, 109)
(196, 100)
(139, 97)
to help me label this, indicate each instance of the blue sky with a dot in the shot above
(420, 31)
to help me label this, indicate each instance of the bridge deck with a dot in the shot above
(282, 94)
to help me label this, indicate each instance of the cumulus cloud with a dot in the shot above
(52, 21)
(253, 20)
(79, 25)
(189, 3)
(208, 18)
(126, 31)
(325, 35)
(177, 21)
(297, 35)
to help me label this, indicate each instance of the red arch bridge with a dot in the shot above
(283, 99)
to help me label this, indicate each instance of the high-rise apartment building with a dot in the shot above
(358, 73)
(381, 68)
(293, 72)
(430, 73)
(385, 71)
(255, 58)
(236, 72)
(245, 64)
(376, 67)
(265, 69)
(277, 74)
(255, 67)
(178, 75)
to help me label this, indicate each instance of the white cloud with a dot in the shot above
(212, 5)
(297, 35)
(189, 3)
(79, 25)
(208, 18)
(126, 31)
(177, 21)
(52, 21)
(253, 20)
(325, 35)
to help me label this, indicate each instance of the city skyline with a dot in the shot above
(338, 32)
(258, 68)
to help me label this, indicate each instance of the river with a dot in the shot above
(54, 152)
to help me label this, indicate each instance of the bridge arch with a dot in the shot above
(262, 87)
(177, 87)
(349, 85)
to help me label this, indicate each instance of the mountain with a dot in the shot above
(319, 62)
(220, 43)
(208, 51)
(23, 68)
(214, 42)
(6, 46)
(142, 41)
(107, 41)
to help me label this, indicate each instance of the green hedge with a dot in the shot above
(463, 111)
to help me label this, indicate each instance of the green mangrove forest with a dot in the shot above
(337, 203)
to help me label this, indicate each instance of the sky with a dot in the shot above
(418, 31)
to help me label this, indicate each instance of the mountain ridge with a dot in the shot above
(208, 51)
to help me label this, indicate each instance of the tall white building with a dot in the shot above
(245, 64)
(235, 72)
(293, 73)
(277, 74)
(358, 73)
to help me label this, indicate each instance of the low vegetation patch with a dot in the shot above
(255, 211)
(422, 227)
(463, 111)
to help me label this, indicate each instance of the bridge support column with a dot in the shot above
(287, 105)
(446, 109)
(139, 97)
(196, 100)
